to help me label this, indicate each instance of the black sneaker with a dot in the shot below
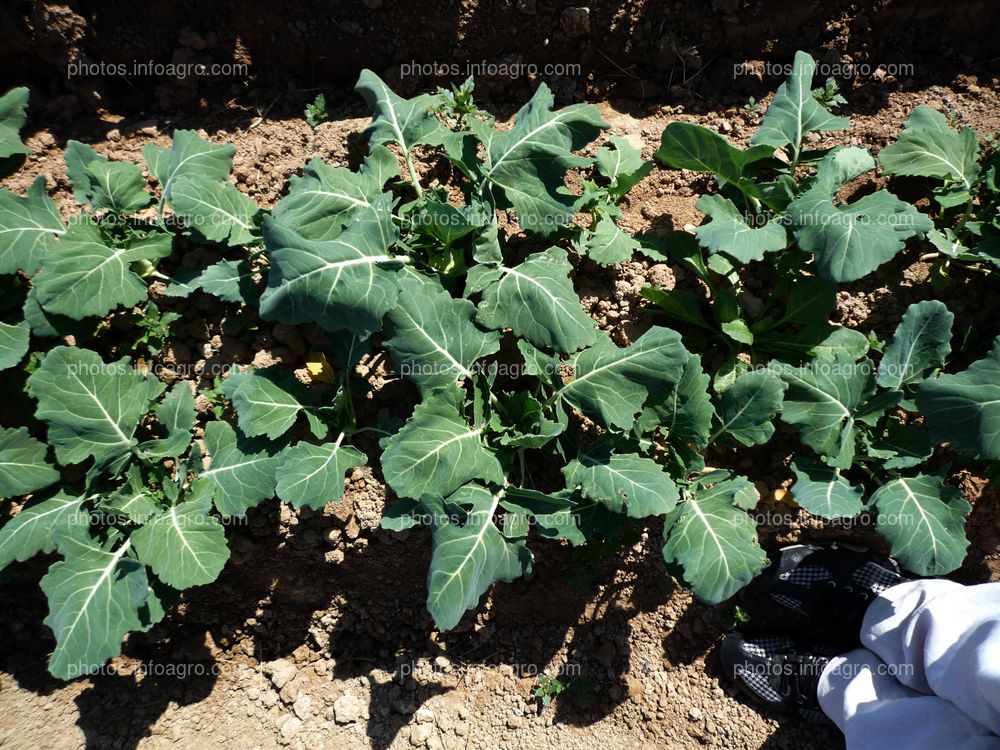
(832, 583)
(779, 674)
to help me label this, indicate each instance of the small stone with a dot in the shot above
(606, 654)
(575, 21)
(290, 727)
(303, 707)
(348, 709)
(332, 537)
(114, 134)
(424, 715)
(290, 692)
(420, 733)
(515, 722)
(695, 714)
(282, 671)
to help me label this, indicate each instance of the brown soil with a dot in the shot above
(316, 634)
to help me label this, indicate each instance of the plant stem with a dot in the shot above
(414, 178)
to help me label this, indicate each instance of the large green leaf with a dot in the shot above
(852, 240)
(747, 407)
(716, 544)
(437, 451)
(405, 122)
(822, 490)
(189, 154)
(821, 400)
(313, 475)
(117, 186)
(85, 276)
(622, 165)
(728, 232)
(794, 111)
(921, 343)
(14, 341)
(29, 226)
(344, 284)
(432, 337)
(611, 384)
(684, 412)
(242, 471)
(537, 301)
(94, 596)
(184, 545)
(24, 466)
(177, 414)
(216, 211)
(625, 482)
(964, 409)
(927, 147)
(685, 145)
(325, 199)
(924, 520)
(92, 408)
(13, 114)
(34, 528)
(526, 165)
(468, 557)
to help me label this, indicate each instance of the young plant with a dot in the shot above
(547, 688)
(965, 186)
(315, 112)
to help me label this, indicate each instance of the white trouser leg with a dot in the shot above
(942, 638)
(876, 712)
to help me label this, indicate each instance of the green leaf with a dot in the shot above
(685, 411)
(537, 301)
(623, 165)
(607, 244)
(924, 520)
(13, 343)
(728, 232)
(822, 490)
(313, 475)
(611, 385)
(821, 400)
(852, 240)
(747, 407)
(469, 557)
(624, 482)
(685, 145)
(184, 545)
(921, 343)
(927, 147)
(85, 276)
(437, 451)
(92, 408)
(94, 596)
(526, 165)
(216, 211)
(117, 186)
(13, 114)
(229, 280)
(347, 283)
(267, 403)
(24, 466)
(405, 122)
(794, 111)
(177, 414)
(715, 543)
(28, 228)
(432, 337)
(34, 528)
(679, 304)
(326, 199)
(241, 473)
(523, 423)
(964, 409)
(902, 447)
(189, 154)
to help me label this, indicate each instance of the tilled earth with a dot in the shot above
(316, 634)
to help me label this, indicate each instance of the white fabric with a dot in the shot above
(929, 675)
